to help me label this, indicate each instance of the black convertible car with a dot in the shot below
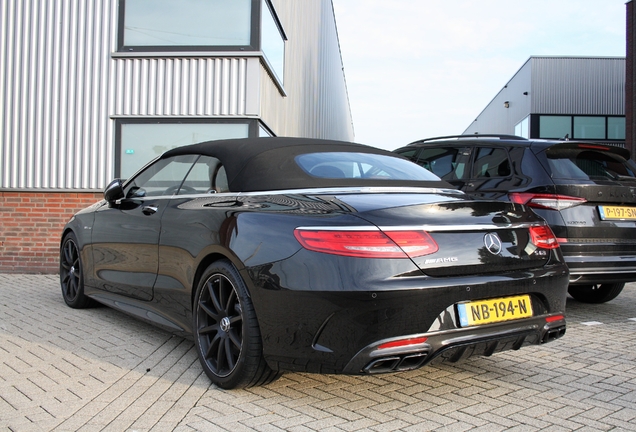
(290, 254)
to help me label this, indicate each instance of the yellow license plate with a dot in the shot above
(617, 212)
(494, 310)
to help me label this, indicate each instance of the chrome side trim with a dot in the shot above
(350, 190)
(475, 227)
(427, 228)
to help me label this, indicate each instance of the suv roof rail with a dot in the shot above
(474, 136)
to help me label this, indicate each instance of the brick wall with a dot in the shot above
(30, 227)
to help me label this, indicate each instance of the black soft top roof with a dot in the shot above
(261, 164)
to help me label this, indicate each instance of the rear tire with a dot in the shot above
(226, 331)
(596, 293)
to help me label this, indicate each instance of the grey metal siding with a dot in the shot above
(54, 70)
(317, 103)
(556, 85)
(181, 86)
(62, 85)
(568, 85)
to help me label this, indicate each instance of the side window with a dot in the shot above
(491, 162)
(410, 154)
(448, 163)
(206, 176)
(164, 177)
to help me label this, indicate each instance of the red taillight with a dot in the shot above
(554, 318)
(403, 343)
(367, 243)
(543, 237)
(545, 201)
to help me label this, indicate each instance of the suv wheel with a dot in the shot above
(596, 293)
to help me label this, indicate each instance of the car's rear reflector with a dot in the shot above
(545, 201)
(554, 318)
(403, 343)
(542, 237)
(367, 243)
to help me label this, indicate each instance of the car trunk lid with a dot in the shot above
(472, 236)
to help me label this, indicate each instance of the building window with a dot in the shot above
(139, 141)
(616, 128)
(160, 25)
(522, 128)
(272, 40)
(586, 127)
(556, 127)
(581, 127)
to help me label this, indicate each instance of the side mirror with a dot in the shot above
(114, 191)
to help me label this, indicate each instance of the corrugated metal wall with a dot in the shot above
(317, 103)
(54, 72)
(181, 86)
(62, 85)
(556, 85)
(571, 85)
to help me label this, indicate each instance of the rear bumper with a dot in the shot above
(587, 269)
(456, 345)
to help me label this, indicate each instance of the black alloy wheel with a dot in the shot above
(596, 293)
(71, 274)
(227, 334)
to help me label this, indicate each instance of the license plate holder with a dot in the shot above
(480, 312)
(617, 212)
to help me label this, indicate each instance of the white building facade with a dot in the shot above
(92, 90)
(579, 98)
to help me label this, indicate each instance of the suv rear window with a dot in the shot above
(587, 164)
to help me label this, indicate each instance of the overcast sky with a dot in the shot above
(424, 68)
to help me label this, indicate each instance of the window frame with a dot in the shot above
(572, 135)
(255, 36)
(253, 130)
(267, 6)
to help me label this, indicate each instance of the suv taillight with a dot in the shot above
(543, 237)
(545, 201)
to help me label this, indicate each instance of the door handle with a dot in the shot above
(149, 210)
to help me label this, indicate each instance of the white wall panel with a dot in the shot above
(62, 85)
(317, 103)
(180, 86)
(54, 66)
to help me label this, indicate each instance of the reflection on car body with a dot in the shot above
(276, 263)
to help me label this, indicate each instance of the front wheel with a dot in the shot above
(596, 293)
(71, 274)
(226, 331)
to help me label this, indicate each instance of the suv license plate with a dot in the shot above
(617, 212)
(494, 310)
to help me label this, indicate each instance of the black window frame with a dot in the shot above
(535, 124)
(255, 36)
(253, 130)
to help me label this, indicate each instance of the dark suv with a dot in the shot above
(586, 192)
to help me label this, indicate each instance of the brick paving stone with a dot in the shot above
(98, 369)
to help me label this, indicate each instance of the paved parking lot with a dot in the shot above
(97, 369)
